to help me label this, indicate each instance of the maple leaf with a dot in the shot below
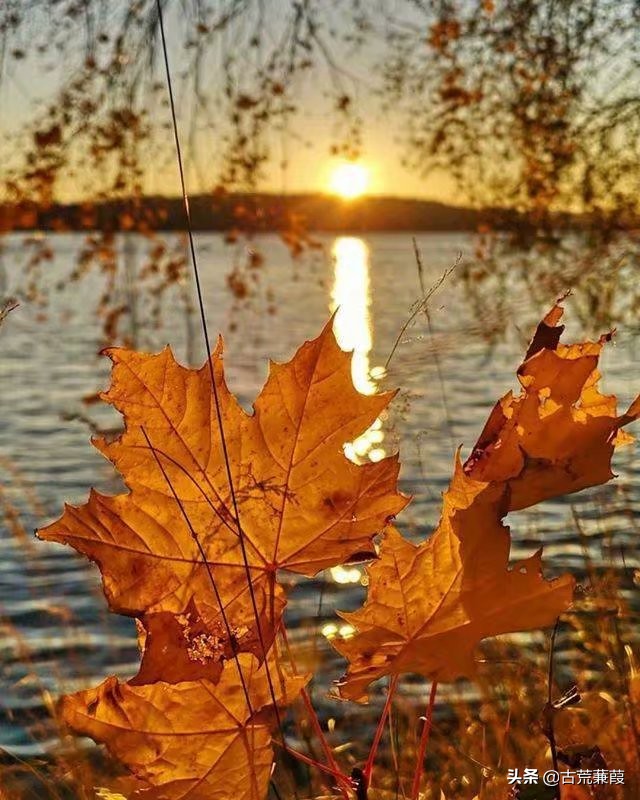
(559, 435)
(193, 740)
(180, 543)
(429, 605)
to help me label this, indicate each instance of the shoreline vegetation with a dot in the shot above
(315, 212)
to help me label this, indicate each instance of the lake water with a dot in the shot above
(56, 634)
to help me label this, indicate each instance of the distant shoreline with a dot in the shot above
(259, 213)
(292, 214)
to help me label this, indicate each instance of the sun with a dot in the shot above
(349, 180)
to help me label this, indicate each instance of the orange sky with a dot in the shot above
(309, 167)
(26, 86)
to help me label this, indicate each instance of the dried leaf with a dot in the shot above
(428, 606)
(172, 553)
(189, 741)
(302, 505)
(559, 435)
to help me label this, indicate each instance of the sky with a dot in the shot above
(31, 83)
(311, 168)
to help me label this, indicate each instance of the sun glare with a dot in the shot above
(349, 180)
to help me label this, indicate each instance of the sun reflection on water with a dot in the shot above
(351, 296)
(351, 300)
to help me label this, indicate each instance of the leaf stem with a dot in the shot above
(368, 767)
(326, 747)
(342, 779)
(550, 710)
(424, 741)
(315, 722)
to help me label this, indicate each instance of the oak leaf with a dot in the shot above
(302, 506)
(429, 605)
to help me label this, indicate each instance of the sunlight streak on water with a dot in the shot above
(351, 295)
(351, 300)
(331, 630)
(346, 574)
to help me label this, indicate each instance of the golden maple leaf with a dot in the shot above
(297, 503)
(194, 556)
(559, 435)
(193, 740)
(428, 606)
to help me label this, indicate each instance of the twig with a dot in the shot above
(368, 767)
(507, 729)
(315, 722)
(206, 563)
(214, 388)
(549, 710)
(421, 306)
(326, 747)
(312, 762)
(7, 308)
(424, 741)
(436, 355)
(393, 745)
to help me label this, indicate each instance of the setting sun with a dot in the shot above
(349, 180)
